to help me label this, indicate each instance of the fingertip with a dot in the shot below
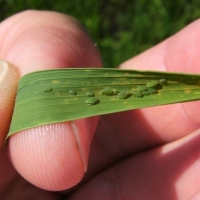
(39, 40)
(50, 156)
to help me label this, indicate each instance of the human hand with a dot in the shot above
(150, 153)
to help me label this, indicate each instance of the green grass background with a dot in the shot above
(120, 28)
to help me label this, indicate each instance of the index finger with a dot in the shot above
(179, 53)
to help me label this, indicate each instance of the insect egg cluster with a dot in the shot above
(140, 91)
(149, 88)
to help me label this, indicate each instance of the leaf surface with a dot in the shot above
(59, 95)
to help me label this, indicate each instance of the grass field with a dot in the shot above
(123, 28)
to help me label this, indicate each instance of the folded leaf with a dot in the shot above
(59, 95)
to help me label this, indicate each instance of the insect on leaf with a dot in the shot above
(43, 97)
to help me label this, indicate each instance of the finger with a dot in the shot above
(9, 77)
(178, 53)
(167, 172)
(127, 133)
(52, 157)
(196, 196)
(13, 186)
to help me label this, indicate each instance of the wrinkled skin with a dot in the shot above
(150, 153)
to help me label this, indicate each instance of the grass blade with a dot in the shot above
(59, 95)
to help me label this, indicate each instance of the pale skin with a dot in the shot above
(151, 153)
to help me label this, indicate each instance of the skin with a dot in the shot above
(148, 153)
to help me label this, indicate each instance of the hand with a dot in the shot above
(150, 153)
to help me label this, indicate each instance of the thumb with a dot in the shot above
(52, 157)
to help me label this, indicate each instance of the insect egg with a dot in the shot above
(73, 92)
(146, 93)
(163, 81)
(137, 94)
(92, 101)
(115, 91)
(48, 89)
(152, 91)
(123, 95)
(142, 88)
(107, 91)
(152, 84)
(90, 94)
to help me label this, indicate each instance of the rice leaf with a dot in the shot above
(59, 95)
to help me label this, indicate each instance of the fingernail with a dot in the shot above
(81, 130)
(9, 76)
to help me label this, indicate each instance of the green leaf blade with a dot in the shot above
(43, 97)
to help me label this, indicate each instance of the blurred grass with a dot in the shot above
(123, 28)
